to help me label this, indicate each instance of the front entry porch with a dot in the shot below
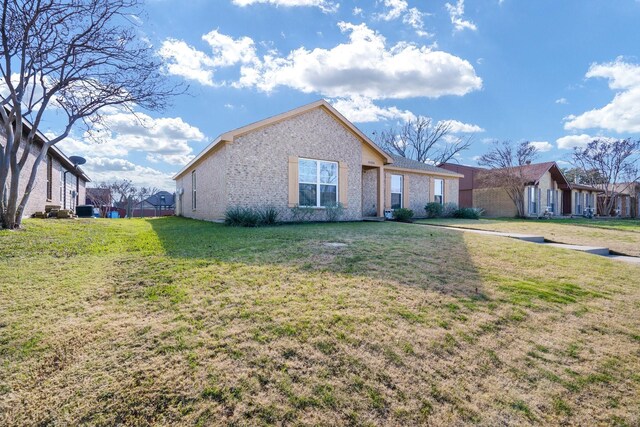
(373, 193)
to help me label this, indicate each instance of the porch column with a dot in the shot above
(381, 190)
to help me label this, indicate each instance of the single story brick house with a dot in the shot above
(58, 183)
(311, 157)
(546, 190)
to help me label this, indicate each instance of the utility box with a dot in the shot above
(84, 211)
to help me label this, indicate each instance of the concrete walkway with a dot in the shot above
(532, 238)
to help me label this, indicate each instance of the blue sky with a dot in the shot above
(555, 72)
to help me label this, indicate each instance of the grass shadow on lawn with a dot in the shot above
(401, 253)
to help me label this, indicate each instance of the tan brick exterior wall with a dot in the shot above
(418, 186)
(211, 188)
(257, 168)
(38, 198)
(451, 191)
(495, 202)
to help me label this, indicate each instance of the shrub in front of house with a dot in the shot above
(241, 217)
(468, 213)
(448, 210)
(302, 213)
(334, 212)
(269, 216)
(434, 210)
(403, 215)
(250, 217)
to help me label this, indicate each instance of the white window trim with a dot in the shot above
(318, 183)
(401, 190)
(437, 187)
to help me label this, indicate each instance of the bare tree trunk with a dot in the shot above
(30, 184)
(12, 206)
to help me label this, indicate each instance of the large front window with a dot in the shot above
(438, 191)
(396, 191)
(317, 183)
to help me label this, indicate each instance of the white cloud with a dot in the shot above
(456, 13)
(163, 139)
(362, 110)
(108, 164)
(571, 141)
(366, 67)
(357, 11)
(561, 101)
(542, 146)
(414, 18)
(228, 52)
(395, 9)
(101, 169)
(460, 127)
(410, 16)
(324, 5)
(622, 114)
(186, 61)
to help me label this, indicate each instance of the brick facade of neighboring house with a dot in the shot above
(627, 203)
(546, 191)
(272, 163)
(52, 186)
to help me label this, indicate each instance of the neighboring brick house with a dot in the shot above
(627, 203)
(313, 157)
(546, 191)
(57, 182)
(161, 203)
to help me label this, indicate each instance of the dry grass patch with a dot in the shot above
(178, 322)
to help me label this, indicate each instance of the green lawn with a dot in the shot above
(179, 322)
(621, 235)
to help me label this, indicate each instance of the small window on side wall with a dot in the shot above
(438, 191)
(396, 191)
(193, 191)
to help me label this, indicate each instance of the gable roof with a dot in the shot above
(404, 163)
(531, 173)
(156, 199)
(231, 135)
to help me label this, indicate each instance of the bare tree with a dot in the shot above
(72, 56)
(101, 197)
(423, 141)
(140, 195)
(615, 162)
(123, 192)
(581, 176)
(506, 162)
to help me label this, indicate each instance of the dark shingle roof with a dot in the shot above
(530, 173)
(404, 163)
(156, 199)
